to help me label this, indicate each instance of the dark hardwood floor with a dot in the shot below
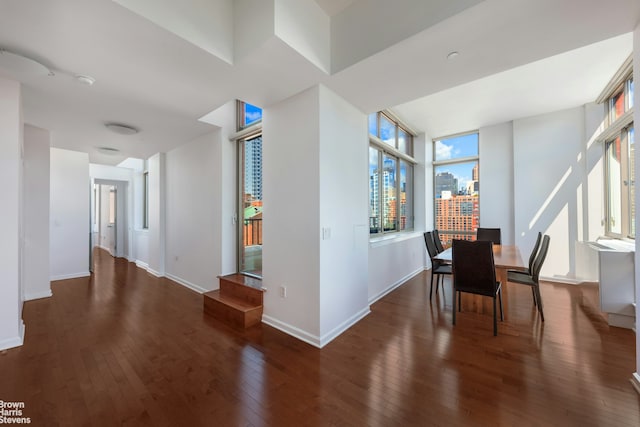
(126, 348)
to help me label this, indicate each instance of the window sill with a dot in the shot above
(390, 239)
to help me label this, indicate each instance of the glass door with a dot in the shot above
(250, 189)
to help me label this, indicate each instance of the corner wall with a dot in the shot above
(11, 140)
(636, 121)
(69, 214)
(36, 213)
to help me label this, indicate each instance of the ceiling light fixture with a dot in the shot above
(452, 55)
(121, 128)
(85, 80)
(19, 64)
(108, 151)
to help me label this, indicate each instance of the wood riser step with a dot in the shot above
(231, 310)
(242, 287)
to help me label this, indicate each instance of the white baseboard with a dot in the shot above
(635, 381)
(395, 285)
(330, 336)
(621, 321)
(29, 296)
(295, 332)
(142, 265)
(154, 273)
(15, 341)
(71, 276)
(315, 340)
(187, 284)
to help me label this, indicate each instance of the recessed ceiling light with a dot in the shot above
(452, 55)
(108, 150)
(121, 128)
(85, 80)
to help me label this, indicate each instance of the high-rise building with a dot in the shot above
(446, 181)
(253, 168)
(458, 213)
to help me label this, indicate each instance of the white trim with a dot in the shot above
(141, 264)
(396, 285)
(71, 276)
(295, 332)
(618, 78)
(15, 341)
(314, 340)
(621, 320)
(383, 146)
(635, 381)
(335, 332)
(154, 273)
(614, 129)
(391, 238)
(187, 284)
(37, 295)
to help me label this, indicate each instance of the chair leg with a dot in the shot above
(539, 298)
(501, 311)
(535, 299)
(495, 318)
(454, 306)
(431, 287)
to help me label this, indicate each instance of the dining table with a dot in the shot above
(505, 257)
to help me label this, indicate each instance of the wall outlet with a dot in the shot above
(283, 291)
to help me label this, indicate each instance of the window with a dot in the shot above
(619, 154)
(248, 115)
(390, 175)
(456, 186)
(145, 200)
(250, 190)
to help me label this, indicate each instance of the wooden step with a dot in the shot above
(238, 302)
(242, 287)
(232, 310)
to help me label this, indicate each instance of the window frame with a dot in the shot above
(619, 126)
(145, 200)
(385, 149)
(454, 161)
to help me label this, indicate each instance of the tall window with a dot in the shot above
(619, 154)
(250, 190)
(456, 186)
(145, 200)
(390, 175)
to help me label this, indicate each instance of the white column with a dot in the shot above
(11, 326)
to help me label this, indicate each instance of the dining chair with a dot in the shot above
(532, 278)
(437, 241)
(490, 234)
(532, 257)
(438, 268)
(474, 272)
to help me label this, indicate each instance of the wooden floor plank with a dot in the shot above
(126, 348)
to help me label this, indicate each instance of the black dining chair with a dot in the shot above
(532, 257)
(490, 234)
(437, 241)
(474, 272)
(438, 268)
(532, 278)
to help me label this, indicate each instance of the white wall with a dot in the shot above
(291, 213)
(636, 120)
(36, 213)
(11, 140)
(496, 179)
(157, 206)
(192, 253)
(550, 176)
(69, 214)
(344, 196)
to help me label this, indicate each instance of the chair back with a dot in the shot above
(490, 234)
(534, 252)
(431, 246)
(436, 240)
(474, 269)
(542, 254)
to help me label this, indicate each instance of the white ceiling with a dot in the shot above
(517, 58)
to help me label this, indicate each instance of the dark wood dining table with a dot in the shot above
(505, 257)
